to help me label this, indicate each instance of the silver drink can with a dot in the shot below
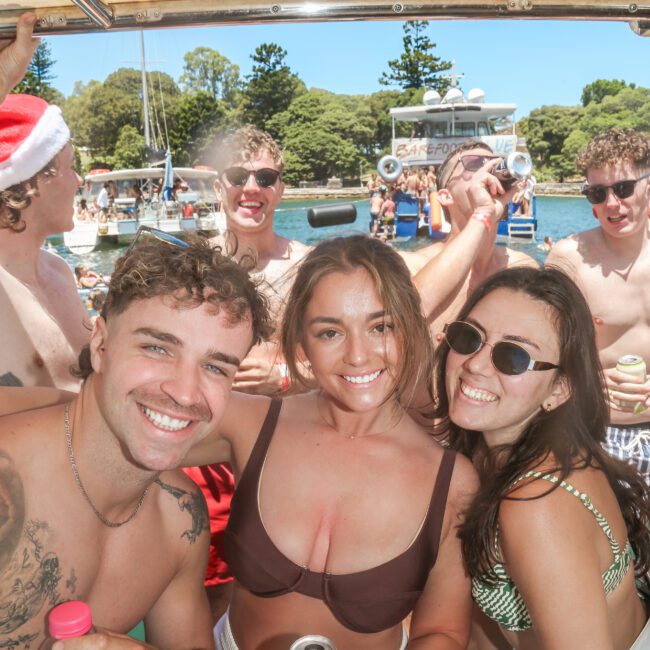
(516, 166)
(312, 642)
(632, 364)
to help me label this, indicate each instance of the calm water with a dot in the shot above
(557, 217)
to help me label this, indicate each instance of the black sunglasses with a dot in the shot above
(239, 176)
(158, 234)
(622, 189)
(507, 357)
(471, 162)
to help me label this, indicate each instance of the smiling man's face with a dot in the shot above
(250, 207)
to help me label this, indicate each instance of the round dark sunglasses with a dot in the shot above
(622, 189)
(264, 177)
(507, 357)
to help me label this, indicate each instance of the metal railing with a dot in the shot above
(75, 16)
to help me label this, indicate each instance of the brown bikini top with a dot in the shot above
(368, 601)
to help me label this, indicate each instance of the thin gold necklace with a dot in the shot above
(77, 478)
(353, 436)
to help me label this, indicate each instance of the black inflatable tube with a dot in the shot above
(331, 215)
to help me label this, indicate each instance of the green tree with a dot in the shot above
(208, 71)
(546, 130)
(97, 112)
(323, 135)
(39, 75)
(417, 67)
(199, 118)
(271, 86)
(129, 149)
(597, 90)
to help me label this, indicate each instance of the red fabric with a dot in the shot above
(19, 114)
(217, 484)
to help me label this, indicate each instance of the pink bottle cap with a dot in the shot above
(70, 619)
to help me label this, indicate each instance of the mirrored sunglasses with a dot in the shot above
(622, 189)
(238, 176)
(474, 162)
(507, 357)
(158, 234)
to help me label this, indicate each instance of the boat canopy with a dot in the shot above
(442, 112)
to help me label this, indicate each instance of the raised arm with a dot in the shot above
(15, 55)
(444, 274)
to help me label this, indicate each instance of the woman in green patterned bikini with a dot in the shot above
(558, 528)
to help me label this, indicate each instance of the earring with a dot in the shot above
(547, 407)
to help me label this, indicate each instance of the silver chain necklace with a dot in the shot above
(77, 478)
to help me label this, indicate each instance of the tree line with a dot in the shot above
(323, 134)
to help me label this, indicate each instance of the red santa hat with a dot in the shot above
(31, 134)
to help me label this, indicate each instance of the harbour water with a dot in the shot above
(557, 217)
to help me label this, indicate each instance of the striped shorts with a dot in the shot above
(632, 444)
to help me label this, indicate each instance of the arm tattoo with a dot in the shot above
(30, 575)
(194, 503)
(12, 509)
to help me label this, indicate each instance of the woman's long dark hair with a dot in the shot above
(571, 434)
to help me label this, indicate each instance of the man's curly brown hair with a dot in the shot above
(192, 276)
(246, 143)
(615, 146)
(18, 197)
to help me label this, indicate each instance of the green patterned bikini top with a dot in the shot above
(504, 604)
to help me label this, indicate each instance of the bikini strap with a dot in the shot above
(258, 453)
(439, 498)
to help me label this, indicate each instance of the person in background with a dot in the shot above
(611, 265)
(558, 528)
(546, 245)
(87, 279)
(102, 203)
(44, 321)
(387, 215)
(82, 212)
(467, 192)
(376, 200)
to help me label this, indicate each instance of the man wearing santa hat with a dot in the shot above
(43, 322)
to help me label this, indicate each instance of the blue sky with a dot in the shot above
(530, 63)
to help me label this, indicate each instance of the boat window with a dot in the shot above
(465, 129)
(483, 128)
(437, 129)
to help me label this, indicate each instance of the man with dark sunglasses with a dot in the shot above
(466, 191)
(611, 265)
(250, 165)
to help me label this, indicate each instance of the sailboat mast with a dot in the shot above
(145, 94)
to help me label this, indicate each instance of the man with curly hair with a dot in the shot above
(43, 320)
(93, 506)
(611, 264)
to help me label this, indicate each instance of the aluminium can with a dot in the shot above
(312, 642)
(632, 364)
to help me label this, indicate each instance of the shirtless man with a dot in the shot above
(376, 200)
(250, 166)
(44, 322)
(611, 264)
(466, 191)
(94, 508)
